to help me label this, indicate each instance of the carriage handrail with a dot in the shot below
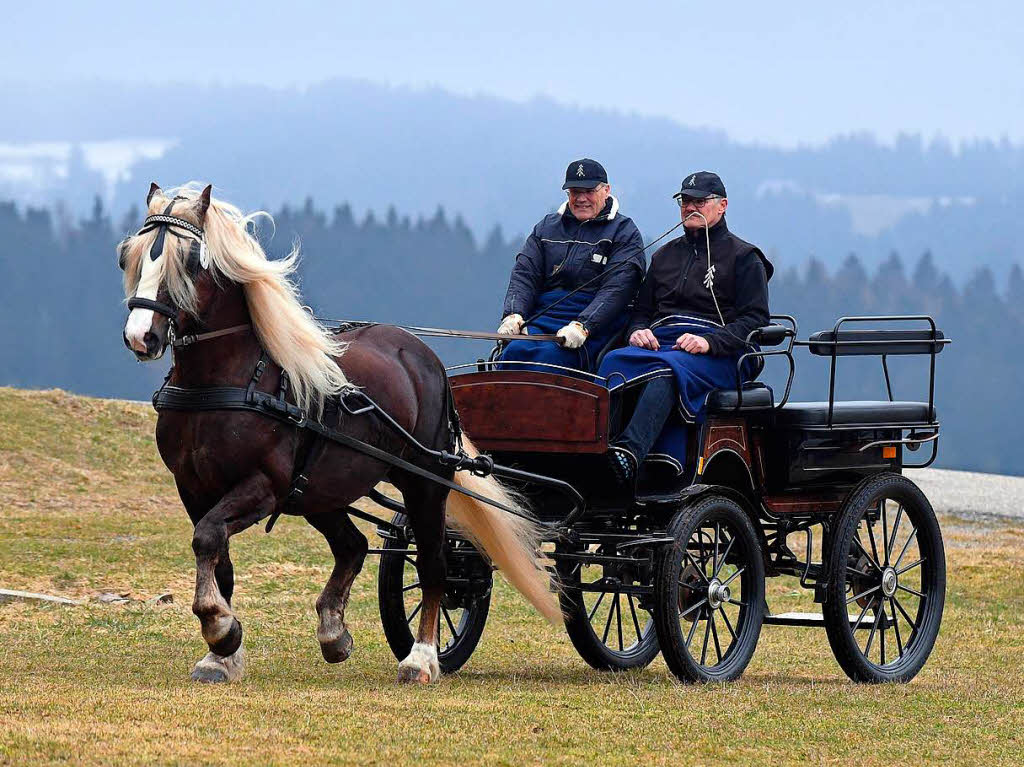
(935, 342)
(790, 333)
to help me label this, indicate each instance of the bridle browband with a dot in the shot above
(195, 261)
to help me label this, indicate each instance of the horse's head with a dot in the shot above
(167, 279)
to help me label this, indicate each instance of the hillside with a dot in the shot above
(87, 508)
(499, 162)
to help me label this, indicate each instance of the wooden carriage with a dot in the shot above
(680, 565)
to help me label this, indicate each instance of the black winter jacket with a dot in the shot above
(563, 252)
(675, 285)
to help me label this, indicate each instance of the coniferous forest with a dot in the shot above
(62, 312)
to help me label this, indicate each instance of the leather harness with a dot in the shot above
(315, 433)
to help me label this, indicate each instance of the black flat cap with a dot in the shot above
(701, 184)
(584, 174)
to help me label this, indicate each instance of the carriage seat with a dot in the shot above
(756, 396)
(856, 413)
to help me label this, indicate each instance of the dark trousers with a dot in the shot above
(655, 405)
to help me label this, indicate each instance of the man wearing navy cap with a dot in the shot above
(704, 293)
(586, 244)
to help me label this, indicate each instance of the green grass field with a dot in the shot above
(87, 507)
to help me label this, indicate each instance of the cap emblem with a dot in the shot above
(580, 172)
(692, 181)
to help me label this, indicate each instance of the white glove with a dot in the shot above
(575, 335)
(511, 325)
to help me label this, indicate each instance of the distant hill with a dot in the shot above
(499, 163)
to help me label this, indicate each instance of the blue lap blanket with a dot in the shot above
(695, 374)
(551, 353)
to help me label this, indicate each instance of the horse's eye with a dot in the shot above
(122, 254)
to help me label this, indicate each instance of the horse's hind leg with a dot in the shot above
(349, 548)
(425, 502)
(245, 505)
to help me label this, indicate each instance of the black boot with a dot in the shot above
(623, 468)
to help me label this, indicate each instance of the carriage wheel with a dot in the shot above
(464, 609)
(887, 581)
(709, 592)
(612, 630)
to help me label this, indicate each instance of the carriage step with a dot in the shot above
(811, 619)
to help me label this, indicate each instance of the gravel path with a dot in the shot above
(971, 495)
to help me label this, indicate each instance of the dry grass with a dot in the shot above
(86, 507)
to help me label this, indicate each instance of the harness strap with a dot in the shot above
(196, 337)
(237, 398)
(160, 308)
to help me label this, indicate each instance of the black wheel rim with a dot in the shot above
(890, 583)
(620, 619)
(714, 581)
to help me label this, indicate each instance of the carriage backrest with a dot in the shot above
(847, 343)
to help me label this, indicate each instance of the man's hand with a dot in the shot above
(688, 342)
(511, 325)
(573, 335)
(645, 339)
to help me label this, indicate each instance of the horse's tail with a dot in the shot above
(512, 542)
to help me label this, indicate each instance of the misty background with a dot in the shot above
(873, 152)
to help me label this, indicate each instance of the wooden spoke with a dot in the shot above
(896, 627)
(698, 568)
(704, 649)
(910, 590)
(632, 612)
(863, 612)
(412, 615)
(855, 597)
(714, 634)
(913, 534)
(725, 554)
(728, 623)
(732, 577)
(895, 529)
(910, 566)
(693, 630)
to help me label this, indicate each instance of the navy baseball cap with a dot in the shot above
(584, 174)
(700, 185)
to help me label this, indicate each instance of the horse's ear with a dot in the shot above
(204, 202)
(154, 190)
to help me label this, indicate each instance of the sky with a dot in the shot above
(782, 74)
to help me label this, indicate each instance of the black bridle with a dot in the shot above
(195, 261)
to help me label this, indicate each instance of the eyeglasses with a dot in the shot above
(697, 202)
(576, 191)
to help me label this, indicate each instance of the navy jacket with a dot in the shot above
(675, 286)
(563, 252)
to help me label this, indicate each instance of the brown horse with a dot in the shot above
(195, 269)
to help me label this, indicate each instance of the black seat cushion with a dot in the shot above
(866, 412)
(756, 396)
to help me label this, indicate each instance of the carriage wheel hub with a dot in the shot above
(889, 581)
(717, 593)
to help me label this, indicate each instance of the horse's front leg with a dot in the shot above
(244, 505)
(348, 546)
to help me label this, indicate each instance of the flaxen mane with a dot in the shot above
(285, 329)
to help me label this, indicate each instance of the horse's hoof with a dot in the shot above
(210, 675)
(338, 650)
(413, 675)
(217, 669)
(420, 667)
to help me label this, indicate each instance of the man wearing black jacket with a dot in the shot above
(586, 246)
(704, 293)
